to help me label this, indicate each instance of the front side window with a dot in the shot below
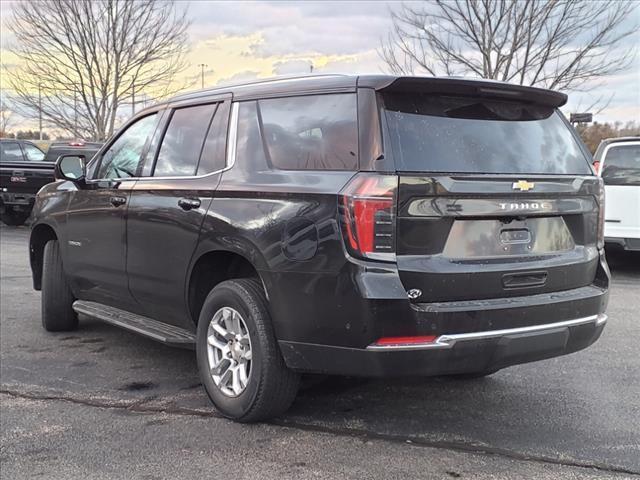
(183, 141)
(33, 153)
(622, 165)
(313, 132)
(10, 152)
(124, 156)
(430, 133)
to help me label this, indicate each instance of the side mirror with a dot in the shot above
(71, 167)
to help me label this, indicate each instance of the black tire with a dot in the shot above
(57, 314)
(473, 375)
(14, 218)
(271, 387)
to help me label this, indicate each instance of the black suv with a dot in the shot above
(355, 225)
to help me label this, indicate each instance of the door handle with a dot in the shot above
(188, 203)
(117, 201)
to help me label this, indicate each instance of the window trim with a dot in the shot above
(230, 158)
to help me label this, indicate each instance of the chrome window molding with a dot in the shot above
(448, 341)
(232, 137)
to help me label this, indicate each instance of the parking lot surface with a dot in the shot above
(104, 403)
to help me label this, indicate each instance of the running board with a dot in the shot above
(161, 332)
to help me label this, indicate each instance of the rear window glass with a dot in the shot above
(214, 149)
(32, 153)
(313, 132)
(10, 152)
(182, 143)
(622, 165)
(462, 134)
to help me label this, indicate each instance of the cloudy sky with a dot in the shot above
(244, 40)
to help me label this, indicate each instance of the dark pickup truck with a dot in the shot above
(25, 168)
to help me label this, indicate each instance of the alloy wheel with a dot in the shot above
(229, 351)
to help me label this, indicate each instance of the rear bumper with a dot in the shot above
(18, 199)
(626, 243)
(449, 354)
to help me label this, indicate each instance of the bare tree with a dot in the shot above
(84, 60)
(559, 44)
(7, 118)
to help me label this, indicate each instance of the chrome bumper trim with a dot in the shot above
(448, 341)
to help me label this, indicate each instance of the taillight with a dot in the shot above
(368, 208)
(601, 201)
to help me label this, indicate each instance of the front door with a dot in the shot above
(96, 218)
(167, 208)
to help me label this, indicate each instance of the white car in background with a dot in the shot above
(617, 161)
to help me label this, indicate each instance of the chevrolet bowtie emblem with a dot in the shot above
(523, 185)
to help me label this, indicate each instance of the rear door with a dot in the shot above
(495, 198)
(620, 167)
(168, 205)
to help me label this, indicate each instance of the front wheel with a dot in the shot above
(239, 360)
(57, 298)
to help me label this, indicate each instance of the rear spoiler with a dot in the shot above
(467, 87)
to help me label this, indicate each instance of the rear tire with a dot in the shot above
(13, 218)
(57, 298)
(269, 387)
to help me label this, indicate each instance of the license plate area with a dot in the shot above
(499, 237)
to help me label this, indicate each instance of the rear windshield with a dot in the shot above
(622, 165)
(461, 134)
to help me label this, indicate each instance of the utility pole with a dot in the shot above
(40, 108)
(75, 113)
(202, 66)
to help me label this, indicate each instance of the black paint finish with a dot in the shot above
(480, 265)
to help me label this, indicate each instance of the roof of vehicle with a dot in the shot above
(330, 83)
(608, 141)
(72, 145)
(19, 140)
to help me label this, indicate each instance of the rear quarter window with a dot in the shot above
(622, 165)
(312, 132)
(473, 135)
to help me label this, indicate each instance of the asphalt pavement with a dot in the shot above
(104, 403)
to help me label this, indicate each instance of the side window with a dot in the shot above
(123, 157)
(249, 147)
(214, 150)
(10, 152)
(33, 153)
(622, 165)
(315, 132)
(183, 141)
